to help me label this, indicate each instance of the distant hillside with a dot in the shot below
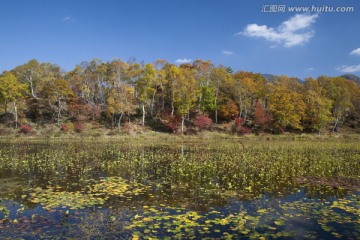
(351, 77)
(271, 77)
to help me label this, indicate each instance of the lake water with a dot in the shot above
(184, 190)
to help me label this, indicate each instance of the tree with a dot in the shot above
(201, 71)
(161, 81)
(291, 84)
(76, 80)
(58, 91)
(11, 91)
(318, 106)
(246, 88)
(185, 93)
(340, 91)
(120, 101)
(202, 122)
(261, 117)
(228, 110)
(172, 76)
(219, 79)
(286, 106)
(208, 100)
(29, 73)
(36, 75)
(145, 87)
(134, 73)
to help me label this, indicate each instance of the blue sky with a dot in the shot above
(234, 33)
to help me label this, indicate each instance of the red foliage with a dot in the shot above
(228, 111)
(78, 127)
(95, 112)
(172, 124)
(238, 121)
(244, 130)
(127, 127)
(239, 128)
(202, 122)
(67, 127)
(83, 111)
(260, 117)
(64, 128)
(25, 129)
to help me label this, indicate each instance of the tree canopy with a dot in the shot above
(114, 92)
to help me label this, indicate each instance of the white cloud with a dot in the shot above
(310, 69)
(225, 52)
(355, 52)
(349, 69)
(295, 31)
(67, 18)
(183, 60)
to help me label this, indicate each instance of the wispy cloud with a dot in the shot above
(295, 31)
(183, 60)
(349, 69)
(355, 52)
(309, 69)
(68, 18)
(225, 52)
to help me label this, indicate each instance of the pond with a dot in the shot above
(90, 189)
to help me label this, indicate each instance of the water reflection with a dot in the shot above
(210, 189)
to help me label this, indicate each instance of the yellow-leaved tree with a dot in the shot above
(11, 91)
(185, 93)
(287, 107)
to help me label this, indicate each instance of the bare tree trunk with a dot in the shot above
(119, 122)
(182, 123)
(216, 112)
(240, 107)
(32, 88)
(152, 105)
(199, 106)
(113, 120)
(336, 124)
(245, 115)
(143, 113)
(16, 115)
(5, 106)
(59, 111)
(163, 103)
(172, 109)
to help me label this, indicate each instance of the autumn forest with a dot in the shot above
(171, 98)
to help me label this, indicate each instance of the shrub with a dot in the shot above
(244, 130)
(190, 131)
(126, 127)
(202, 122)
(67, 127)
(78, 127)
(5, 131)
(113, 132)
(238, 121)
(237, 127)
(172, 124)
(228, 110)
(7, 119)
(25, 129)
